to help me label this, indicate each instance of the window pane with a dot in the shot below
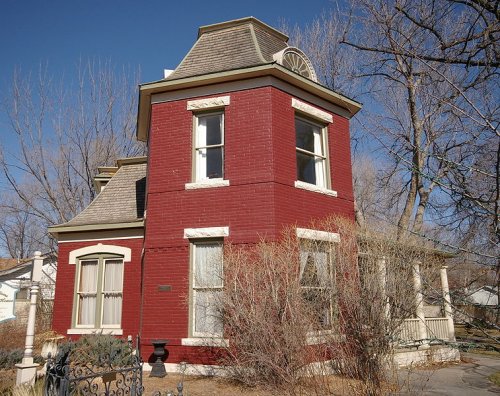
(112, 309)
(113, 275)
(208, 265)
(319, 302)
(112, 292)
(307, 136)
(87, 292)
(201, 132)
(88, 276)
(214, 162)
(207, 319)
(306, 168)
(86, 312)
(214, 130)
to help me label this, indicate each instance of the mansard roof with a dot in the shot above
(240, 50)
(231, 45)
(121, 202)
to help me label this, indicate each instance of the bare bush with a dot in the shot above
(299, 308)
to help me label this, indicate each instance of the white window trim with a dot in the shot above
(74, 255)
(193, 291)
(208, 183)
(208, 103)
(306, 233)
(205, 341)
(198, 148)
(98, 249)
(322, 336)
(81, 330)
(208, 232)
(314, 188)
(312, 111)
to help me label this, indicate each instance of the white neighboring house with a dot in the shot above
(15, 281)
(485, 295)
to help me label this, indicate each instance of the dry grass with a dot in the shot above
(495, 378)
(216, 386)
(482, 341)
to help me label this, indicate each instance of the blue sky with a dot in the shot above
(152, 35)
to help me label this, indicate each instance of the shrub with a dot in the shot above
(97, 350)
(10, 357)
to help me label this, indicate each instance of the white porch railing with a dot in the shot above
(437, 328)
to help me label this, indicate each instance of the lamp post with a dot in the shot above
(26, 370)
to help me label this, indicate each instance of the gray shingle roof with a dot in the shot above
(231, 45)
(122, 201)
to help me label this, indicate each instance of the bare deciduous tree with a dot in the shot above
(60, 135)
(295, 309)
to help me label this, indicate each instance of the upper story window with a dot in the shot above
(311, 152)
(209, 146)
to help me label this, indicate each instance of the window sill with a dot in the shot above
(322, 337)
(209, 183)
(205, 341)
(95, 331)
(314, 188)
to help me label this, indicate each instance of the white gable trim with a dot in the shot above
(209, 232)
(306, 233)
(208, 103)
(100, 248)
(311, 111)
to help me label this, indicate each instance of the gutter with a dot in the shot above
(270, 69)
(61, 228)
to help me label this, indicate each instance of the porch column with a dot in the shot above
(382, 271)
(26, 370)
(419, 300)
(448, 314)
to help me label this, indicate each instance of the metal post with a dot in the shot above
(26, 370)
(447, 303)
(419, 300)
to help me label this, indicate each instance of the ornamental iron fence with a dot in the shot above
(102, 378)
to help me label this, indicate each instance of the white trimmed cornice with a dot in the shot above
(209, 232)
(208, 103)
(306, 233)
(311, 111)
(100, 248)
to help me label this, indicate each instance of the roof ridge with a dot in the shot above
(241, 21)
(257, 44)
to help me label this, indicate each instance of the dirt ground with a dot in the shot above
(197, 386)
(214, 386)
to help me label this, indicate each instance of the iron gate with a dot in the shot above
(64, 378)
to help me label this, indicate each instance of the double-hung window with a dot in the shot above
(209, 146)
(311, 152)
(207, 286)
(99, 292)
(317, 280)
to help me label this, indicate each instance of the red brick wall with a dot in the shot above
(260, 165)
(63, 303)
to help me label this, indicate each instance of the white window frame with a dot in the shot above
(194, 289)
(320, 154)
(322, 119)
(200, 175)
(326, 238)
(201, 107)
(100, 293)
(98, 250)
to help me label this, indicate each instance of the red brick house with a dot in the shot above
(242, 141)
